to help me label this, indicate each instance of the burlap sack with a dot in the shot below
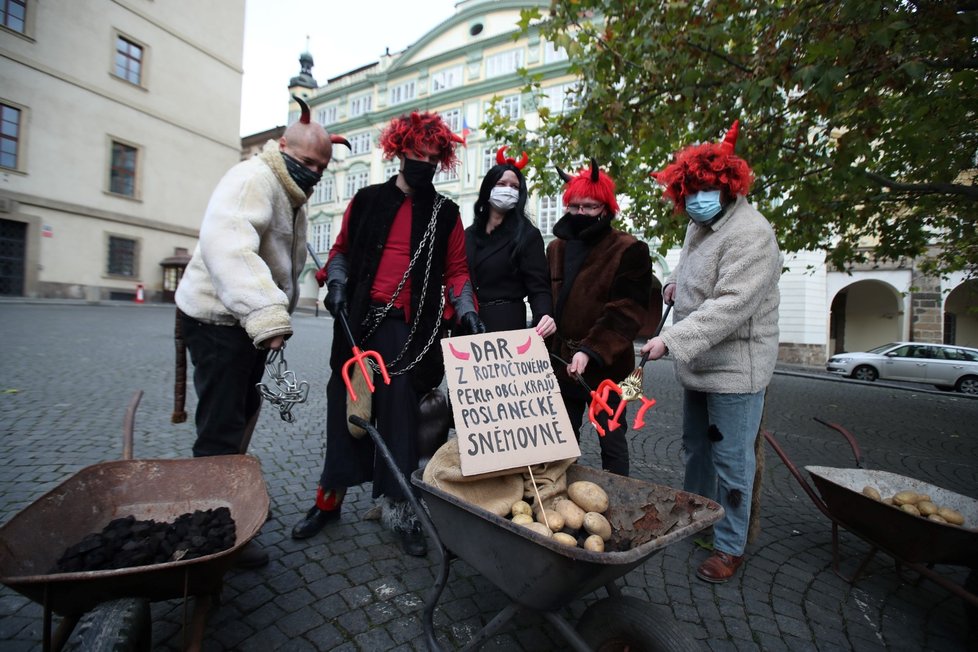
(498, 490)
(362, 406)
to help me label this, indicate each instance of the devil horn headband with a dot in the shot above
(305, 116)
(730, 139)
(501, 159)
(563, 175)
(594, 170)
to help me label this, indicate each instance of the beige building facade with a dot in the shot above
(118, 119)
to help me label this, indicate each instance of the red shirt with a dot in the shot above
(397, 255)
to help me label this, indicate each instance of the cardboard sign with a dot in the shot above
(506, 402)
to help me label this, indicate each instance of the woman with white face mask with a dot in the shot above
(506, 255)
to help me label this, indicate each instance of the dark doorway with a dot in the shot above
(13, 249)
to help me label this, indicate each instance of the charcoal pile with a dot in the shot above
(126, 542)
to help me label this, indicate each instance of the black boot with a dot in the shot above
(315, 520)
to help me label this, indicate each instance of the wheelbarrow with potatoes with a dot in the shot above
(113, 605)
(913, 541)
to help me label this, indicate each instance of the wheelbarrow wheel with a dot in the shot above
(113, 626)
(626, 623)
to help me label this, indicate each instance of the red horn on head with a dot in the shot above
(333, 138)
(730, 140)
(594, 170)
(520, 164)
(416, 118)
(304, 117)
(500, 155)
(458, 139)
(563, 175)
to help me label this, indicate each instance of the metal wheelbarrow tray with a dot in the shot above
(159, 489)
(910, 540)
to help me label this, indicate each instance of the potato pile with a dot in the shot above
(919, 505)
(579, 514)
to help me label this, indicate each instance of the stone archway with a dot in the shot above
(961, 315)
(865, 314)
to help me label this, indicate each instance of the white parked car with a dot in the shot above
(944, 366)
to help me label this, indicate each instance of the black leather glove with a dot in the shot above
(335, 300)
(472, 324)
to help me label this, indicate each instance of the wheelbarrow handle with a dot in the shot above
(856, 451)
(822, 507)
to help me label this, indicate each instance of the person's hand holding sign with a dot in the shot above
(546, 326)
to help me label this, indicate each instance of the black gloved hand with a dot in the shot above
(335, 300)
(472, 324)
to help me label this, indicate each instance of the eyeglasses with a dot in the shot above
(584, 208)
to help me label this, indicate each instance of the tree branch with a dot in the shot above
(971, 192)
(722, 57)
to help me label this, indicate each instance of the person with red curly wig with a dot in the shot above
(399, 244)
(601, 279)
(724, 336)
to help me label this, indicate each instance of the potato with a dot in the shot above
(905, 498)
(554, 519)
(924, 497)
(595, 523)
(952, 516)
(594, 543)
(522, 519)
(910, 509)
(566, 539)
(871, 492)
(539, 528)
(888, 500)
(521, 507)
(936, 518)
(926, 508)
(573, 515)
(588, 496)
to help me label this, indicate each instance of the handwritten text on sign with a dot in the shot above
(506, 402)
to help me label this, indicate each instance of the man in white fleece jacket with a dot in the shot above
(240, 287)
(724, 336)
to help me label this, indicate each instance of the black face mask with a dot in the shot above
(418, 174)
(305, 178)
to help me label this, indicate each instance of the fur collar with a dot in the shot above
(272, 157)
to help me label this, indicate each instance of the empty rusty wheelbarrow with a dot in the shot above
(910, 540)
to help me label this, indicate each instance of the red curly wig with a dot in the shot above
(590, 183)
(417, 132)
(707, 166)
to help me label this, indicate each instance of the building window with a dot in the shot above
(553, 53)
(355, 181)
(488, 159)
(122, 174)
(326, 116)
(404, 92)
(453, 118)
(323, 192)
(128, 60)
(445, 79)
(504, 63)
(559, 98)
(122, 256)
(391, 169)
(9, 136)
(13, 14)
(360, 105)
(446, 175)
(508, 107)
(360, 143)
(548, 213)
(320, 236)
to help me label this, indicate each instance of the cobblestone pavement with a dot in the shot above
(68, 372)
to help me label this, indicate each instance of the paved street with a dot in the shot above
(68, 372)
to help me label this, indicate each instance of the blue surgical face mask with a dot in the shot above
(703, 206)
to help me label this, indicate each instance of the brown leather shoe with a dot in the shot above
(719, 567)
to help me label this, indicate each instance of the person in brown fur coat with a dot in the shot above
(601, 279)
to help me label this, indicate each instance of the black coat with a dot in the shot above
(502, 282)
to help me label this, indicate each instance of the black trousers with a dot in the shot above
(351, 461)
(614, 445)
(227, 366)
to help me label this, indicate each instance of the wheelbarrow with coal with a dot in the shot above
(148, 489)
(913, 541)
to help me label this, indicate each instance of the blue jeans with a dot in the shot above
(718, 439)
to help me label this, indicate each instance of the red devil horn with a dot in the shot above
(563, 175)
(500, 155)
(730, 140)
(520, 164)
(594, 170)
(416, 118)
(304, 117)
(333, 138)
(458, 139)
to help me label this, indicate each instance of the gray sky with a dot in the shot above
(343, 35)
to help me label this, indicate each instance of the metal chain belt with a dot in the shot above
(285, 391)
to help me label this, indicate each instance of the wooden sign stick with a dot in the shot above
(543, 509)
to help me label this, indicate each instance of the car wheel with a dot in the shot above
(968, 385)
(865, 372)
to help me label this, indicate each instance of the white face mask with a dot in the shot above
(503, 197)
